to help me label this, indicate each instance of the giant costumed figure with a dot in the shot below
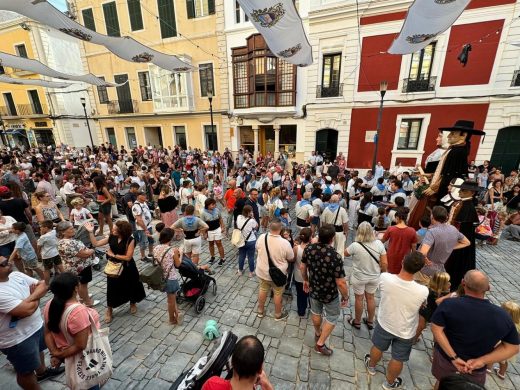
(452, 164)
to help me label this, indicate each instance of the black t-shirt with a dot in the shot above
(324, 266)
(474, 326)
(163, 167)
(129, 197)
(333, 170)
(15, 208)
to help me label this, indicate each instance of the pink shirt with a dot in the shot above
(280, 250)
(77, 321)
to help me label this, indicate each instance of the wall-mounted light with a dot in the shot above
(25, 26)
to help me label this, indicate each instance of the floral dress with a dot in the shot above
(68, 248)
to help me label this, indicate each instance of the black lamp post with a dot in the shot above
(210, 98)
(382, 90)
(84, 104)
(4, 138)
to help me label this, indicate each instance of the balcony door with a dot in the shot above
(9, 102)
(330, 82)
(123, 94)
(421, 69)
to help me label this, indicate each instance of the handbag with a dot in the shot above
(237, 239)
(153, 274)
(93, 365)
(113, 269)
(277, 276)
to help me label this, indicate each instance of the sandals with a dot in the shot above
(260, 314)
(353, 324)
(497, 371)
(369, 324)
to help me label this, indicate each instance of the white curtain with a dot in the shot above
(41, 83)
(37, 67)
(425, 20)
(282, 28)
(125, 47)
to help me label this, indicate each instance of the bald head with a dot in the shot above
(334, 199)
(476, 282)
(306, 195)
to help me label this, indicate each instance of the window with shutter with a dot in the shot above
(190, 7)
(136, 17)
(200, 8)
(102, 93)
(88, 19)
(144, 85)
(111, 21)
(167, 18)
(21, 50)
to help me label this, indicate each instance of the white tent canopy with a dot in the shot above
(125, 47)
(425, 20)
(282, 28)
(41, 83)
(37, 67)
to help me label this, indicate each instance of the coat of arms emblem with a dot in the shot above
(268, 17)
(419, 38)
(143, 57)
(288, 53)
(77, 33)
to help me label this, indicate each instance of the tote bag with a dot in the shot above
(93, 366)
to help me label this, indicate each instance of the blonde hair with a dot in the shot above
(76, 202)
(513, 309)
(440, 282)
(365, 232)
(275, 192)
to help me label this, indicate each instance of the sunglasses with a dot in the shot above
(4, 263)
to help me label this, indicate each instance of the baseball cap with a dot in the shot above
(4, 189)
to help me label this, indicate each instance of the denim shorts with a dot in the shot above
(329, 311)
(25, 357)
(30, 263)
(401, 348)
(315, 221)
(143, 239)
(172, 286)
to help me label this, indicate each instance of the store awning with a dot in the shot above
(14, 132)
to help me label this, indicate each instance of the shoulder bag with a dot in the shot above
(276, 274)
(237, 238)
(93, 365)
(114, 269)
(369, 252)
(153, 274)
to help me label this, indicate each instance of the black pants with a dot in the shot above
(302, 299)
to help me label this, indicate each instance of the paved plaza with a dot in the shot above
(150, 354)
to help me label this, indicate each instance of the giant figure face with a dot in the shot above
(456, 137)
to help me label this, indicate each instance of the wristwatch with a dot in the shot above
(454, 358)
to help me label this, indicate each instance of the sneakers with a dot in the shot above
(323, 350)
(283, 315)
(370, 370)
(220, 262)
(49, 373)
(212, 260)
(396, 385)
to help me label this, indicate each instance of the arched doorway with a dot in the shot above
(506, 153)
(327, 143)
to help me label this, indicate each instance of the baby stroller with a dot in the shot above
(195, 283)
(208, 366)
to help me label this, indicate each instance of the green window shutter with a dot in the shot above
(88, 19)
(211, 6)
(136, 17)
(167, 18)
(111, 21)
(190, 6)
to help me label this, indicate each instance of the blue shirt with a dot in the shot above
(25, 249)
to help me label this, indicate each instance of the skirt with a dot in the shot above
(126, 288)
(169, 218)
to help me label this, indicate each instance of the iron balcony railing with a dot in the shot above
(123, 106)
(332, 91)
(23, 110)
(421, 85)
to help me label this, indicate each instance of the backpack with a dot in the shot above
(153, 274)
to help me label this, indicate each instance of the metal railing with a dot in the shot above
(123, 106)
(23, 110)
(421, 85)
(326, 92)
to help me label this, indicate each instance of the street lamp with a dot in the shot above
(84, 104)
(210, 98)
(382, 90)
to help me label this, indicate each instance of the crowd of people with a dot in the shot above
(55, 204)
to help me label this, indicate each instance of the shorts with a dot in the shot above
(30, 264)
(193, 245)
(362, 287)
(105, 209)
(315, 221)
(49, 263)
(215, 235)
(7, 249)
(329, 311)
(172, 286)
(401, 348)
(85, 276)
(25, 357)
(442, 367)
(267, 285)
(142, 239)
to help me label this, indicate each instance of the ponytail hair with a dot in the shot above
(63, 287)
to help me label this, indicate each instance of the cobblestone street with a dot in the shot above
(150, 354)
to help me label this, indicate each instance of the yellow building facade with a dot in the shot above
(156, 107)
(24, 110)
